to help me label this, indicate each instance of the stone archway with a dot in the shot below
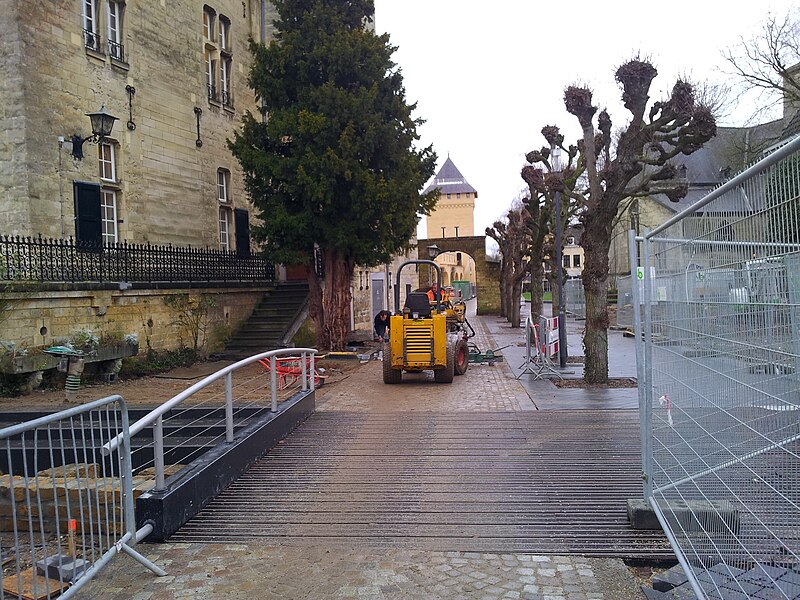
(487, 274)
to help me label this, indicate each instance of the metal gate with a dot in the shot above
(719, 369)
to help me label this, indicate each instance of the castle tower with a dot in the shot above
(454, 212)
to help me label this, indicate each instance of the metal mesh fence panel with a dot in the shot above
(574, 300)
(721, 396)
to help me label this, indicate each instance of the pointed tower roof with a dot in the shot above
(450, 180)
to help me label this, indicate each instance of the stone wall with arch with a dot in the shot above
(487, 273)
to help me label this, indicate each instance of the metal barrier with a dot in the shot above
(539, 348)
(213, 396)
(574, 298)
(719, 372)
(624, 311)
(66, 510)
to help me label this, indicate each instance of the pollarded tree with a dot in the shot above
(637, 165)
(332, 168)
(513, 238)
(544, 178)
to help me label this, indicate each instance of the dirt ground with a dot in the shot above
(154, 390)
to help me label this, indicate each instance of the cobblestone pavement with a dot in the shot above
(232, 572)
(485, 388)
(260, 571)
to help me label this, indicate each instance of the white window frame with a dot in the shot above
(209, 16)
(114, 27)
(90, 23)
(108, 215)
(107, 163)
(224, 32)
(223, 186)
(211, 81)
(224, 229)
(225, 69)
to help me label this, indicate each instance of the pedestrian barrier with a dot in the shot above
(541, 344)
(718, 361)
(290, 371)
(66, 510)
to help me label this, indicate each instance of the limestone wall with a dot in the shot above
(167, 190)
(45, 318)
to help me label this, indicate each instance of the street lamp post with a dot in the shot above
(555, 157)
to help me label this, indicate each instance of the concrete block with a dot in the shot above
(691, 515)
(60, 567)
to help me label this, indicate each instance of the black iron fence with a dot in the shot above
(59, 260)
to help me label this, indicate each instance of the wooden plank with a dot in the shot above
(23, 586)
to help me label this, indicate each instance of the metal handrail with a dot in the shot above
(156, 416)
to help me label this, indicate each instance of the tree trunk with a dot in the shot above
(537, 274)
(336, 299)
(503, 280)
(596, 242)
(315, 312)
(508, 286)
(516, 296)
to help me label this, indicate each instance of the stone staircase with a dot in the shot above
(274, 316)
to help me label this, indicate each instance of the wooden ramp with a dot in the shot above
(537, 482)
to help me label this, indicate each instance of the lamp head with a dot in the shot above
(102, 124)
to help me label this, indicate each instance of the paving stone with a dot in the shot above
(791, 577)
(652, 594)
(669, 579)
(747, 587)
(763, 574)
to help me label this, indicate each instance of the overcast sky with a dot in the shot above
(487, 76)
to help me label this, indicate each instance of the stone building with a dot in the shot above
(175, 75)
(454, 212)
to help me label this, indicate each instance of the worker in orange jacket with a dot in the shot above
(434, 293)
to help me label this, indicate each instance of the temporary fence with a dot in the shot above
(624, 307)
(574, 298)
(719, 370)
(67, 510)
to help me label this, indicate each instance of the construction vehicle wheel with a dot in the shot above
(390, 375)
(446, 375)
(462, 357)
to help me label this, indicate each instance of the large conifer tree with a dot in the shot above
(333, 168)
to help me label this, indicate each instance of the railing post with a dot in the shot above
(274, 383)
(647, 415)
(229, 408)
(313, 379)
(636, 300)
(127, 471)
(304, 370)
(158, 448)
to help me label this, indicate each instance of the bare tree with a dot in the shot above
(769, 62)
(636, 166)
(513, 238)
(544, 178)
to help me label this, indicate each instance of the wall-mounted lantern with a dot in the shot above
(102, 124)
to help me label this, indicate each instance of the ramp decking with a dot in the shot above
(538, 482)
